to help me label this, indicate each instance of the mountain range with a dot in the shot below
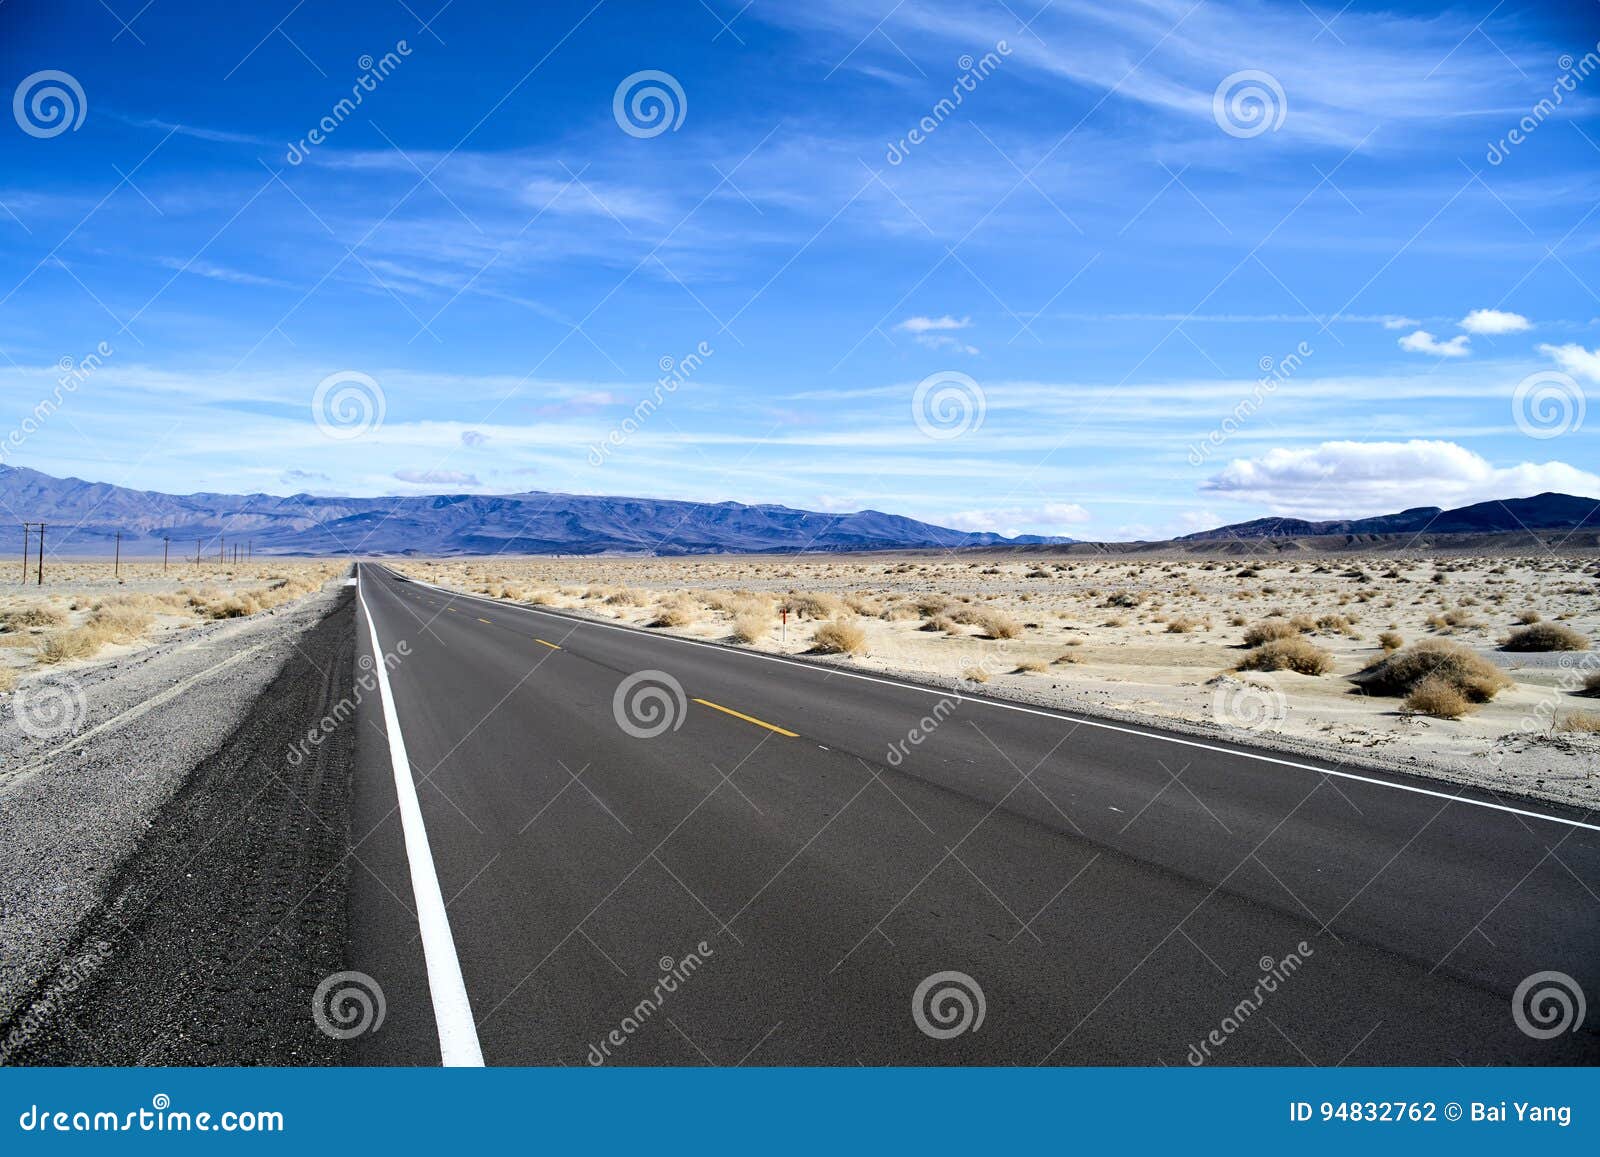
(1546, 511)
(83, 518)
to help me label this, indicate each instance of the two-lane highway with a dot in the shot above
(714, 856)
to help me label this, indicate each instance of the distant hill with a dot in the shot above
(84, 516)
(1511, 515)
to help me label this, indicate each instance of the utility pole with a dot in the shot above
(41, 554)
(166, 549)
(221, 550)
(116, 559)
(27, 541)
(197, 552)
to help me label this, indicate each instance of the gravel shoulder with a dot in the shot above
(110, 802)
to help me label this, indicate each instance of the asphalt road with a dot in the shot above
(1117, 894)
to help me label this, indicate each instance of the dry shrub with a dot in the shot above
(1066, 657)
(121, 624)
(8, 679)
(1295, 654)
(1182, 625)
(1545, 637)
(994, 624)
(941, 623)
(1591, 683)
(817, 606)
(36, 616)
(1438, 697)
(752, 625)
(626, 597)
(1391, 640)
(975, 675)
(1527, 618)
(898, 613)
(863, 604)
(675, 612)
(839, 637)
(1583, 722)
(70, 643)
(1031, 667)
(1468, 672)
(1269, 630)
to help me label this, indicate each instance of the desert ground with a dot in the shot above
(1478, 670)
(90, 611)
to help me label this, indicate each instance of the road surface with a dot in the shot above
(1117, 895)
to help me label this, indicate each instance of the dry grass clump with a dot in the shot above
(120, 624)
(69, 643)
(975, 675)
(1268, 630)
(817, 606)
(942, 623)
(35, 616)
(1183, 625)
(1438, 697)
(1527, 618)
(1591, 683)
(1468, 672)
(626, 597)
(678, 611)
(1391, 640)
(994, 624)
(1583, 722)
(8, 679)
(1031, 667)
(1293, 654)
(752, 625)
(839, 637)
(1545, 637)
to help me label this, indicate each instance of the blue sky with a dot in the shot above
(1089, 263)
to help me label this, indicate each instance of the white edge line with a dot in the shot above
(452, 1010)
(1086, 722)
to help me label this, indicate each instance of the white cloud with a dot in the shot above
(473, 438)
(1354, 479)
(1399, 322)
(1423, 342)
(1047, 519)
(437, 477)
(929, 324)
(1494, 321)
(1575, 359)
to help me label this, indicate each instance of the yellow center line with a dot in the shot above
(552, 646)
(485, 621)
(747, 718)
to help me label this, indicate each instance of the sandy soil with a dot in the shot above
(1152, 638)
